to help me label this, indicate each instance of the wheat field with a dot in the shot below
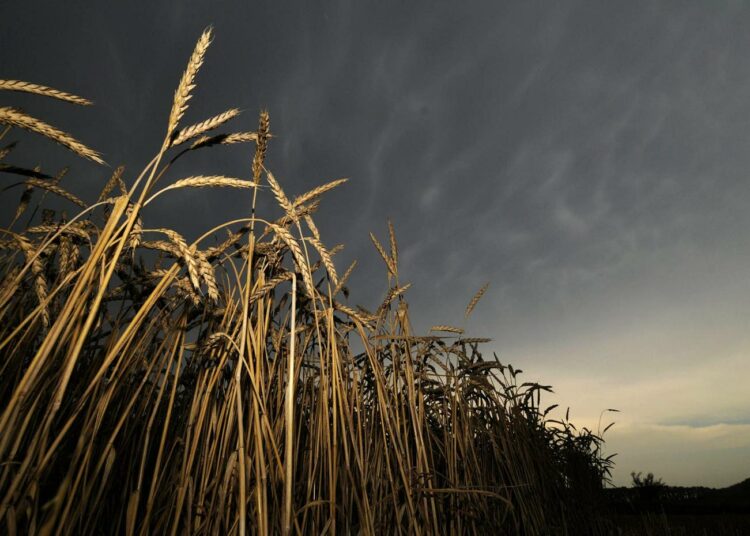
(149, 385)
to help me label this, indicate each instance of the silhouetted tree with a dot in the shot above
(650, 491)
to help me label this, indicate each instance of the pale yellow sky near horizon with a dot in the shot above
(686, 423)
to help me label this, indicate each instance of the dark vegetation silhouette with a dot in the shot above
(654, 506)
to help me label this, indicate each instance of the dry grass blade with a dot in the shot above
(35, 173)
(187, 83)
(197, 129)
(16, 118)
(28, 87)
(317, 192)
(475, 299)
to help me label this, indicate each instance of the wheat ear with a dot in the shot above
(449, 329)
(317, 192)
(28, 87)
(46, 185)
(114, 180)
(16, 118)
(344, 278)
(280, 196)
(261, 145)
(325, 256)
(299, 258)
(225, 139)
(211, 123)
(475, 300)
(388, 261)
(187, 83)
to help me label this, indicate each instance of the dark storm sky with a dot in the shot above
(589, 159)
